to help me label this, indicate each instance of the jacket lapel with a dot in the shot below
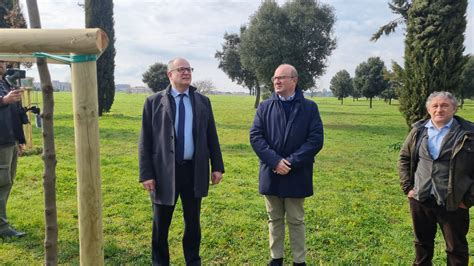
(168, 105)
(196, 111)
(293, 114)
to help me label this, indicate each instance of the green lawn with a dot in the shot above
(358, 214)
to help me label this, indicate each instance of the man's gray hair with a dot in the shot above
(444, 94)
(170, 65)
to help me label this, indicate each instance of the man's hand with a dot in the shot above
(149, 185)
(21, 149)
(216, 177)
(411, 194)
(12, 97)
(283, 167)
(462, 205)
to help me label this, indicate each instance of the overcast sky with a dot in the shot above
(157, 31)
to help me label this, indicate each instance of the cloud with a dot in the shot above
(156, 31)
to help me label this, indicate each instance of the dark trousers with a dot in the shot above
(191, 213)
(454, 225)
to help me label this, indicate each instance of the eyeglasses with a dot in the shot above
(281, 78)
(182, 70)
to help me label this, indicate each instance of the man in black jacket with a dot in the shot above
(12, 143)
(177, 142)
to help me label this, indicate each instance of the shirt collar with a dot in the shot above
(431, 125)
(287, 98)
(176, 93)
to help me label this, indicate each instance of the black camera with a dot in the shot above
(12, 75)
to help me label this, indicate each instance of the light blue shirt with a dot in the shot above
(436, 136)
(188, 122)
(287, 98)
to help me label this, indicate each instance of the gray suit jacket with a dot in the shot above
(157, 145)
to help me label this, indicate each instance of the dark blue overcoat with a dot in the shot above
(298, 140)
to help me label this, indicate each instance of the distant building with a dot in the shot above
(122, 87)
(318, 93)
(61, 86)
(57, 85)
(139, 89)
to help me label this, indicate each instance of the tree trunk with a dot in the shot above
(257, 95)
(342, 100)
(49, 150)
(370, 99)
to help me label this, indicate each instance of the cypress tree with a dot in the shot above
(99, 14)
(5, 8)
(11, 15)
(433, 53)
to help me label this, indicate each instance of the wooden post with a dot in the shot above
(28, 128)
(86, 128)
(85, 109)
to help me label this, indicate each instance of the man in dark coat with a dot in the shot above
(178, 139)
(437, 174)
(287, 133)
(12, 144)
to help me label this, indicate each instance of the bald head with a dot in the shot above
(174, 62)
(287, 68)
(285, 80)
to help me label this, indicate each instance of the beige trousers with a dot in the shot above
(293, 208)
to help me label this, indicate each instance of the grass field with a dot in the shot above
(358, 214)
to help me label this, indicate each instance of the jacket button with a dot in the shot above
(171, 151)
(171, 137)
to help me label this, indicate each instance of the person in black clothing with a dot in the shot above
(12, 144)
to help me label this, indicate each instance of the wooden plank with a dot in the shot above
(55, 41)
(26, 58)
(86, 129)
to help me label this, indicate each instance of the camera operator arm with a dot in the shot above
(12, 97)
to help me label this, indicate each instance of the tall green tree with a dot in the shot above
(11, 15)
(299, 33)
(466, 89)
(4, 11)
(433, 53)
(156, 77)
(394, 78)
(399, 7)
(230, 63)
(388, 94)
(100, 14)
(341, 85)
(369, 78)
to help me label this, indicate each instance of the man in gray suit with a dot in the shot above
(178, 140)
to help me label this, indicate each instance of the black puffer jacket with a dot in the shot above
(11, 129)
